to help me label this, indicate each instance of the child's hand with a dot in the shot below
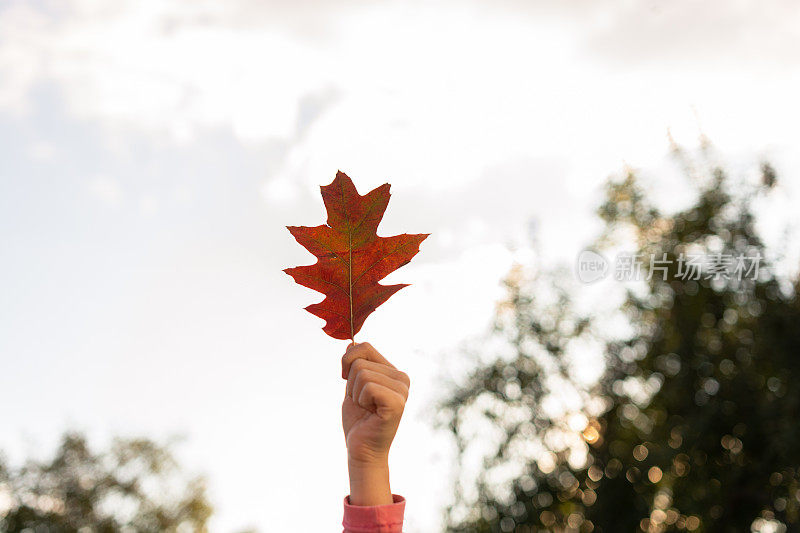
(373, 405)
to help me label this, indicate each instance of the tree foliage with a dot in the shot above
(693, 424)
(134, 486)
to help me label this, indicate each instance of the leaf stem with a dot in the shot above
(350, 280)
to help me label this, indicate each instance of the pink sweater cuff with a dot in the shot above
(375, 519)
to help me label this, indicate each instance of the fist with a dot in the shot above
(374, 400)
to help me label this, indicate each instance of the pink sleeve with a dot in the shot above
(377, 519)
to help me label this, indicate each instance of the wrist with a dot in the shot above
(369, 481)
(362, 457)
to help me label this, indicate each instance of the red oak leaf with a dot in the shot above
(351, 258)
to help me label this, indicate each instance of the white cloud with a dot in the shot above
(148, 205)
(167, 67)
(106, 189)
(428, 95)
(279, 190)
(21, 55)
(42, 150)
(435, 102)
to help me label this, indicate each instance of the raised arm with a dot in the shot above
(375, 397)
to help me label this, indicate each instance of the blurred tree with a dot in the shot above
(500, 416)
(133, 487)
(698, 429)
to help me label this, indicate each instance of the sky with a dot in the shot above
(152, 153)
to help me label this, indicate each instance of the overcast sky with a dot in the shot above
(151, 154)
